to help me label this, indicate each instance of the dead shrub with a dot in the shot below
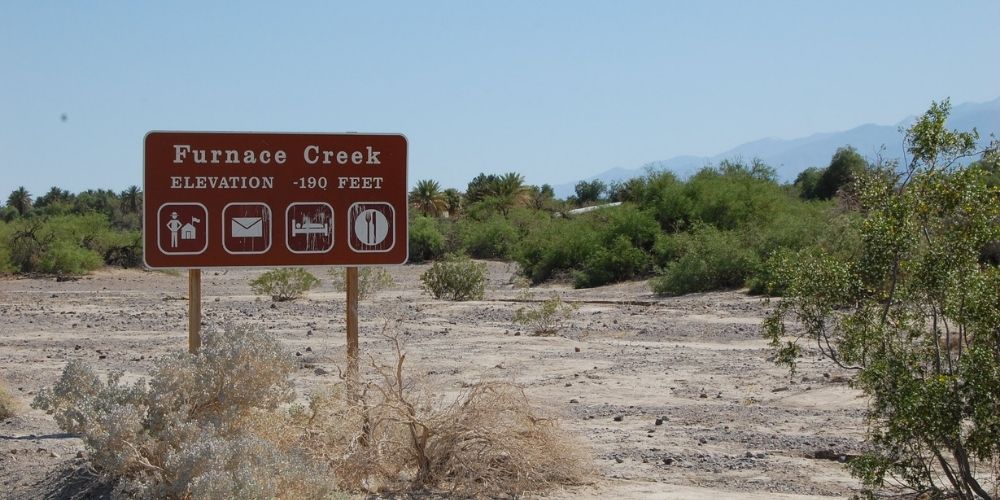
(392, 435)
(9, 406)
(205, 426)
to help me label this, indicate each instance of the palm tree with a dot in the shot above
(453, 201)
(510, 191)
(20, 199)
(131, 200)
(427, 197)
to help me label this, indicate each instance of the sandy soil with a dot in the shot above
(732, 425)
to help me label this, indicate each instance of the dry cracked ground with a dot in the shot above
(676, 397)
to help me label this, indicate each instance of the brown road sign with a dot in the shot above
(226, 199)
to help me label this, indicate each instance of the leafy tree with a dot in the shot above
(480, 187)
(915, 315)
(20, 199)
(427, 197)
(807, 180)
(845, 165)
(589, 192)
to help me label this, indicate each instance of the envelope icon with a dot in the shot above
(247, 227)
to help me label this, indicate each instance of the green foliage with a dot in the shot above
(845, 166)
(556, 246)
(914, 314)
(546, 318)
(284, 284)
(427, 242)
(456, 277)
(589, 191)
(710, 259)
(806, 182)
(491, 238)
(370, 280)
(68, 244)
(205, 426)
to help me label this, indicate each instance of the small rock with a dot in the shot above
(574, 401)
(619, 459)
(702, 441)
(79, 454)
(274, 306)
(761, 455)
(703, 396)
(619, 418)
(576, 349)
(297, 353)
(668, 461)
(309, 349)
(748, 454)
(658, 421)
(320, 371)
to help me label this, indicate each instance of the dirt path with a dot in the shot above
(731, 424)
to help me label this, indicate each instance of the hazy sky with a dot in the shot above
(556, 90)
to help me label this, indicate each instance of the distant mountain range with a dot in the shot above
(791, 156)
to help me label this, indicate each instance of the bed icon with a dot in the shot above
(305, 226)
(309, 227)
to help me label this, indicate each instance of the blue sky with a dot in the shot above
(556, 90)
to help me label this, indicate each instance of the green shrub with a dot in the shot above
(370, 280)
(545, 318)
(427, 242)
(456, 277)
(492, 238)
(913, 314)
(206, 425)
(284, 284)
(9, 405)
(616, 262)
(712, 260)
(558, 245)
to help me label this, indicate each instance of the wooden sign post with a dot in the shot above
(194, 310)
(352, 328)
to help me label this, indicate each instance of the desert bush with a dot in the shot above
(395, 436)
(914, 314)
(712, 259)
(370, 280)
(617, 261)
(427, 242)
(284, 284)
(556, 246)
(456, 277)
(8, 404)
(205, 426)
(545, 318)
(491, 238)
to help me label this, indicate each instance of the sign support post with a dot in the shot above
(194, 310)
(351, 278)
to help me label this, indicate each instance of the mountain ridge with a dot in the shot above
(791, 156)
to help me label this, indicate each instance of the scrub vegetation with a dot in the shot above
(223, 424)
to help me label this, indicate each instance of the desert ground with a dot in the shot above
(675, 396)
